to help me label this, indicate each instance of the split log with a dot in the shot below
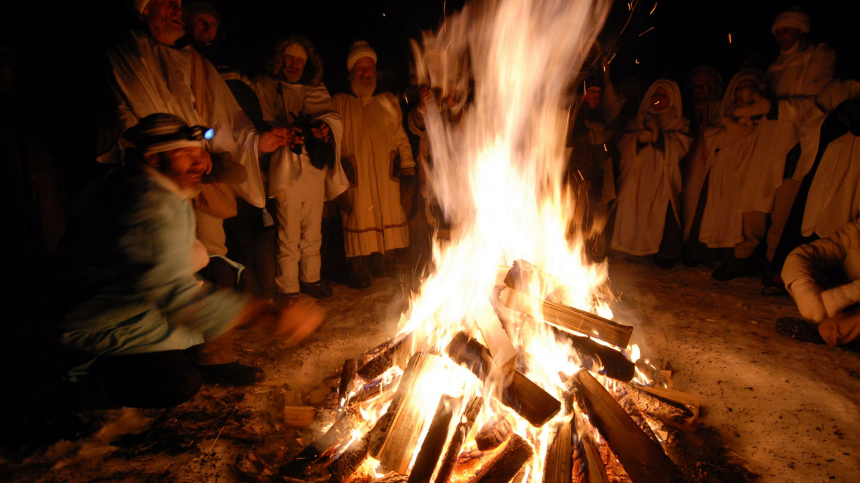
(529, 400)
(299, 416)
(636, 415)
(395, 355)
(434, 441)
(520, 394)
(347, 381)
(393, 478)
(587, 464)
(614, 469)
(599, 358)
(396, 452)
(340, 430)
(688, 401)
(506, 463)
(345, 465)
(501, 348)
(464, 427)
(559, 462)
(656, 407)
(566, 317)
(643, 459)
(494, 432)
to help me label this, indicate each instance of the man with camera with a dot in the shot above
(304, 173)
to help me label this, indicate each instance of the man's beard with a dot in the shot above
(363, 88)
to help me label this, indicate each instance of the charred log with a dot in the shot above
(473, 408)
(396, 354)
(434, 441)
(505, 465)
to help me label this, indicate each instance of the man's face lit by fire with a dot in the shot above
(164, 18)
(185, 166)
(593, 95)
(294, 67)
(204, 28)
(786, 37)
(660, 99)
(701, 86)
(363, 72)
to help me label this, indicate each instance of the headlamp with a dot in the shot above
(196, 133)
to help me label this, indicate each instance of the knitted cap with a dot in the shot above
(791, 18)
(359, 49)
(160, 132)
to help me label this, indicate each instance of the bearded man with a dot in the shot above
(306, 172)
(377, 158)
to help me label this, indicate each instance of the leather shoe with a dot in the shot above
(318, 290)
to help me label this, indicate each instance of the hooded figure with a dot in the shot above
(649, 195)
(378, 159)
(706, 89)
(305, 174)
(729, 146)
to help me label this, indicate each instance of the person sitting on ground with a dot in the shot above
(823, 277)
(649, 194)
(126, 311)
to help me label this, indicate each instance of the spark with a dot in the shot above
(730, 37)
(610, 59)
(645, 32)
(652, 10)
(637, 61)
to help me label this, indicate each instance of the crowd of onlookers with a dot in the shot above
(268, 183)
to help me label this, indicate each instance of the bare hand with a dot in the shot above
(424, 94)
(298, 320)
(323, 132)
(272, 140)
(295, 137)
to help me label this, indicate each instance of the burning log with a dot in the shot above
(299, 416)
(643, 459)
(520, 394)
(689, 402)
(559, 461)
(652, 405)
(347, 381)
(614, 470)
(587, 464)
(338, 431)
(434, 441)
(493, 433)
(506, 463)
(396, 452)
(345, 465)
(396, 354)
(603, 360)
(473, 408)
(563, 316)
(501, 348)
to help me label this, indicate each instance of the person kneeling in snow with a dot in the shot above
(823, 277)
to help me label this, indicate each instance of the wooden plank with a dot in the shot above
(347, 381)
(299, 416)
(496, 339)
(570, 318)
(599, 358)
(434, 441)
(461, 432)
(529, 400)
(558, 467)
(520, 394)
(642, 459)
(396, 452)
(506, 463)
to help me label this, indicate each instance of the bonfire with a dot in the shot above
(507, 365)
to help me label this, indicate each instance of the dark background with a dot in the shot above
(51, 74)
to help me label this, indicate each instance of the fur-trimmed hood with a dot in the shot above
(313, 73)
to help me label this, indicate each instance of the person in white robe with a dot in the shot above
(305, 174)
(649, 195)
(794, 78)
(729, 146)
(150, 74)
(378, 160)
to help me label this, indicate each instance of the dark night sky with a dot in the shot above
(57, 48)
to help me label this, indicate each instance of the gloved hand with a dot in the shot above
(807, 295)
(838, 298)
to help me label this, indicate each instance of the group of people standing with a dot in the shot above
(741, 176)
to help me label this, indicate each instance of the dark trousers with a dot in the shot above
(150, 380)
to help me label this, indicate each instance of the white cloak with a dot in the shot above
(150, 77)
(277, 100)
(373, 137)
(650, 179)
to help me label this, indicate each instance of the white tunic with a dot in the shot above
(150, 77)
(650, 178)
(373, 137)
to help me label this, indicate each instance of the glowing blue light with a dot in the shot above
(209, 134)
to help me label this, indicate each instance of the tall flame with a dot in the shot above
(497, 174)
